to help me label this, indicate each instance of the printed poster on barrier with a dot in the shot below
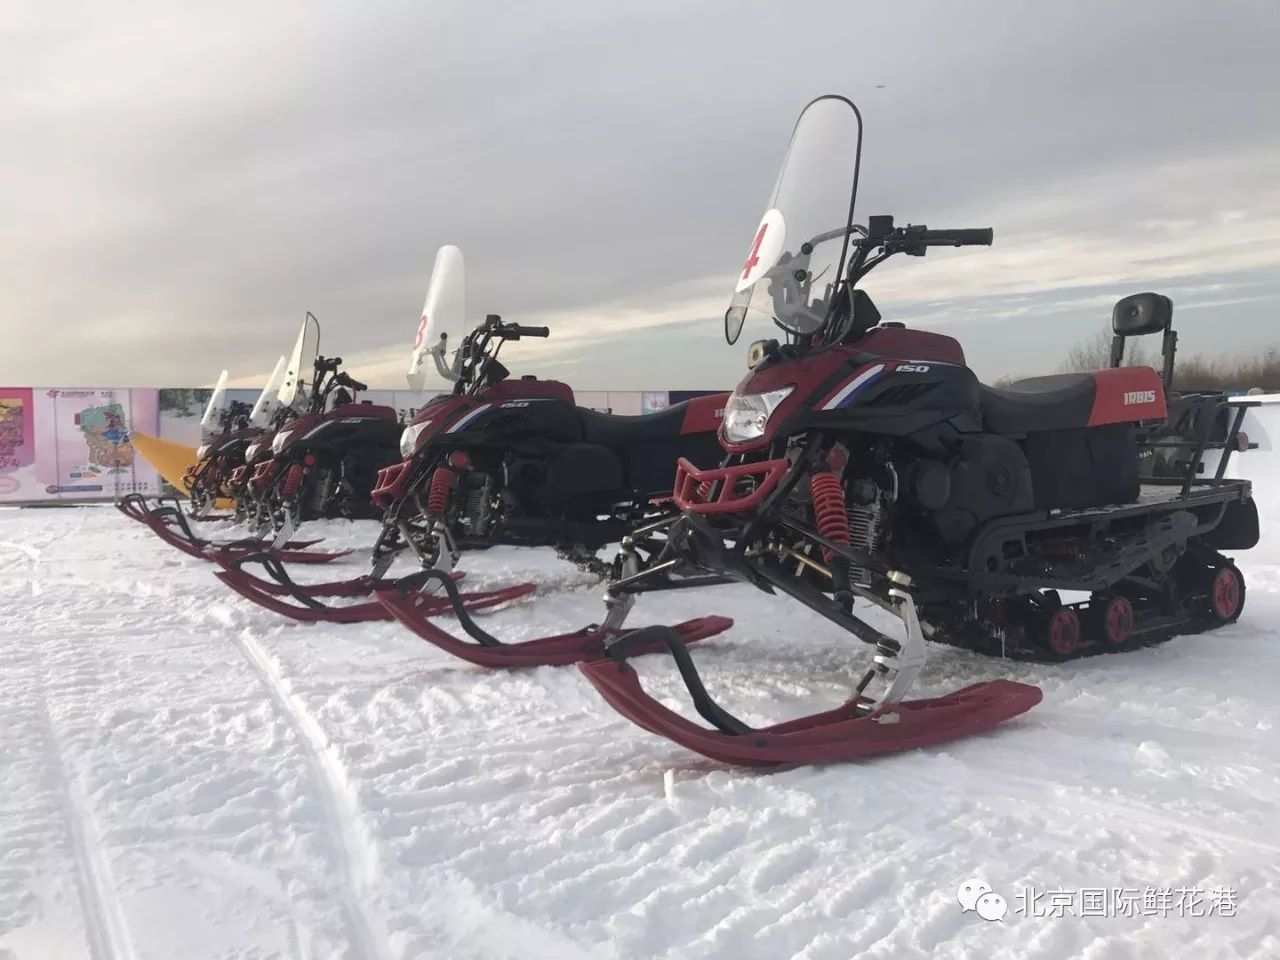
(83, 445)
(654, 401)
(17, 443)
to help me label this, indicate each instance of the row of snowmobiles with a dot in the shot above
(858, 465)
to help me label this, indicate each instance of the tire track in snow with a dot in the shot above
(337, 798)
(106, 929)
(1035, 786)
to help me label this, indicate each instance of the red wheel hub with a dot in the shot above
(1226, 593)
(1117, 620)
(1064, 631)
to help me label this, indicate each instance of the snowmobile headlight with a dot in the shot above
(409, 439)
(279, 440)
(746, 414)
(202, 451)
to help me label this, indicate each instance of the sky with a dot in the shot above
(180, 183)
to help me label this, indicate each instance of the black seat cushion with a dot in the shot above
(619, 432)
(650, 445)
(1059, 402)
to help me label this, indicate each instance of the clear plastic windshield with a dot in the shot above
(798, 253)
(443, 312)
(300, 369)
(211, 422)
(268, 402)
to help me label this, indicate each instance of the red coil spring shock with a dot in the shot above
(703, 492)
(830, 514)
(438, 494)
(292, 481)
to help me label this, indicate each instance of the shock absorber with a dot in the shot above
(292, 481)
(442, 481)
(830, 515)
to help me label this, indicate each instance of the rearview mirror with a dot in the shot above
(1141, 313)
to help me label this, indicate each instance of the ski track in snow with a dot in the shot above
(342, 811)
(106, 929)
(188, 775)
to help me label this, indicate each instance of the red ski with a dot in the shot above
(486, 650)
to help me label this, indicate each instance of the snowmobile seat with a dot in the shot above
(1059, 402)
(620, 432)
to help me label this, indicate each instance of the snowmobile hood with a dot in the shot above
(236, 440)
(439, 413)
(819, 376)
(259, 449)
(304, 428)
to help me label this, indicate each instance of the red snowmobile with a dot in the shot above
(498, 461)
(866, 464)
(319, 459)
(229, 431)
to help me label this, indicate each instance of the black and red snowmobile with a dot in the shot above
(226, 432)
(318, 459)
(229, 430)
(865, 464)
(217, 458)
(500, 462)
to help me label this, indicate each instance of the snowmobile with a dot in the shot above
(866, 464)
(318, 458)
(229, 430)
(499, 461)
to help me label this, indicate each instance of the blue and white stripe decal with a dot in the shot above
(462, 423)
(850, 390)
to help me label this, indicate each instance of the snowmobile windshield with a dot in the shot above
(443, 313)
(268, 402)
(300, 369)
(211, 422)
(793, 272)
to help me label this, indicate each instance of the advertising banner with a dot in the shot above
(59, 444)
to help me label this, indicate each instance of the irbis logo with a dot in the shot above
(1139, 396)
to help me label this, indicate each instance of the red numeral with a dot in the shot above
(422, 331)
(753, 257)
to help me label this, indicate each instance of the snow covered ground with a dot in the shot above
(186, 775)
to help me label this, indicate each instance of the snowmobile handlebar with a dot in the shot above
(348, 381)
(976, 237)
(514, 331)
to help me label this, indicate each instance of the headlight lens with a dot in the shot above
(279, 440)
(251, 452)
(202, 451)
(745, 415)
(409, 439)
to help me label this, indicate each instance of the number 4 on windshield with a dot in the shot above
(754, 256)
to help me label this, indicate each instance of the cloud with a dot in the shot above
(182, 183)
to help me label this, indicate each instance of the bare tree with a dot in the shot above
(1095, 353)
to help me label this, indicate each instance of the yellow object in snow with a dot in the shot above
(171, 460)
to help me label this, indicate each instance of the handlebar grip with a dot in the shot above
(346, 380)
(514, 331)
(978, 237)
